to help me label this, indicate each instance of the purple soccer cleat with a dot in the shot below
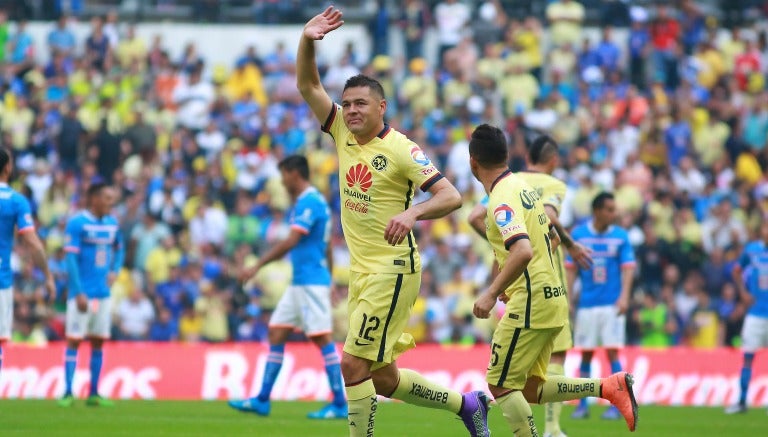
(474, 413)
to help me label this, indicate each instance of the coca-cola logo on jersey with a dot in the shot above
(359, 181)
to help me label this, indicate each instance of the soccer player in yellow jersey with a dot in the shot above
(543, 159)
(379, 169)
(518, 230)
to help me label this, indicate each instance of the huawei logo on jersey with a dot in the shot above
(359, 175)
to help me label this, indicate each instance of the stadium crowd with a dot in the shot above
(672, 116)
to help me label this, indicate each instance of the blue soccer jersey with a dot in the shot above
(611, 250)
(312, 217)
(754, 261)
(14, 214)
(98, 247)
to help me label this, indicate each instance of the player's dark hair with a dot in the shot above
(5, 158)
(362, 80)
(296, 163)
(599, 201)
(95, 189)
(542, 149)
(488, 146)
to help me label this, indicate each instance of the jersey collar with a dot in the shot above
(306, 191)
(384, 131)
(498, 179)
(591, 226)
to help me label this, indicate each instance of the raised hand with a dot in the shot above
(321, 24)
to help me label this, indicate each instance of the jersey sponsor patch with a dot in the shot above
(419, 157)
(359, 176)
(503, 214)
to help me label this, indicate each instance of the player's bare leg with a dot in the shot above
(260, 403)
(338, 408)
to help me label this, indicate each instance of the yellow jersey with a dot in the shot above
(537, 299)
(376, 182)
(552, 191)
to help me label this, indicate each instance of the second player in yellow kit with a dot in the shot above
(552, 192)
(518, 230)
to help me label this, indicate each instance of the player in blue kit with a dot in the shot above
(605, 290)
(95, 255)
(306, 304)
(750, 275)
(15, 215)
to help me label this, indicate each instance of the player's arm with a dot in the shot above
(520, 254)
(476, 219)
(627, 275)
(580, 254)
(571, 270)
(277, 252)
(627, 278)
(445, 199)
(30, 239)
(307, 75)
(737, 274)
(119, 254)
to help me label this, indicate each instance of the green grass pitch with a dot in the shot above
(166, 418)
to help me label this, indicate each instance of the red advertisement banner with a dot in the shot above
(676, 376)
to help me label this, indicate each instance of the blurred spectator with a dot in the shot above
(451, 19)
(163, 328)
(721, 229)
(194, 99)
(414, 21)
(565, 19)
(655, 323)
(212, 309)
(135, 316)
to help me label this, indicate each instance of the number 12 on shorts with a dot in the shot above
(369, 324)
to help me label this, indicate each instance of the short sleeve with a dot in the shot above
(417, 167)
(24, 221)
(304, 217)
(509, 220)
(334, 124)
(554, 197)
(72, 243)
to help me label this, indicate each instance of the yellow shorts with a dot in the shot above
(519, 353)
(564, 340)
(379, 308)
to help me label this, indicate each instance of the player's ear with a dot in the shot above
(383, 106)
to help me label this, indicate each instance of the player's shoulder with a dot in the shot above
(754, 246)
(619, 231)
(581, 230)
(78, 218)
(111, 220)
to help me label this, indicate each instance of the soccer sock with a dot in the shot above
(585, 370)
(70, 364)
(415, 389)
(274, 363)
(746, 376)
(518, 413)
(333, 370)
(552, 409)
(361, 397)
(563, 388)
(97, 356)
(615, 366)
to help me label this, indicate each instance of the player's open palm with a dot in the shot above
(82, 303)
(321, 24)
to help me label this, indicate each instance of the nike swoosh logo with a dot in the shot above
(350, 144)
(357, 343)
(352, 414)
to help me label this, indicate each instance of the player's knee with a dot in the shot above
(497, 391)
(557, 358)
(354, 369)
